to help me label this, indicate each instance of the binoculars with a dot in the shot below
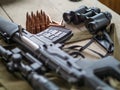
(78, 16)
(98, 22)
(94, 19)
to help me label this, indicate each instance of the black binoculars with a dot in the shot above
(94, 19)
(78, 16)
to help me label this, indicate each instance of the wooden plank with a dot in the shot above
(3, 14)
(113, 4)
(18, 9)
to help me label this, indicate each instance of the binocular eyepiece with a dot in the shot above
(78, 16)
(98, 22)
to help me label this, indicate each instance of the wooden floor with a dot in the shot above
(15, 10)
(113, 4)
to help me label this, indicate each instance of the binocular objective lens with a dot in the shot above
(67, 17)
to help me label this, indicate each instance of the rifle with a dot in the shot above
(73, 70)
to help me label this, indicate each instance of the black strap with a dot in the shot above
(76, 54)
(74, 47)
(88, 44)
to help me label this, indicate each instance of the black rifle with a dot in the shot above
(82, 72)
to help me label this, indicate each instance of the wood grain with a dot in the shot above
(3, 14)
(113, 4)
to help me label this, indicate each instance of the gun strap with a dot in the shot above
(76, 53)
(79, 52)
(88, 44)
(82, 48)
